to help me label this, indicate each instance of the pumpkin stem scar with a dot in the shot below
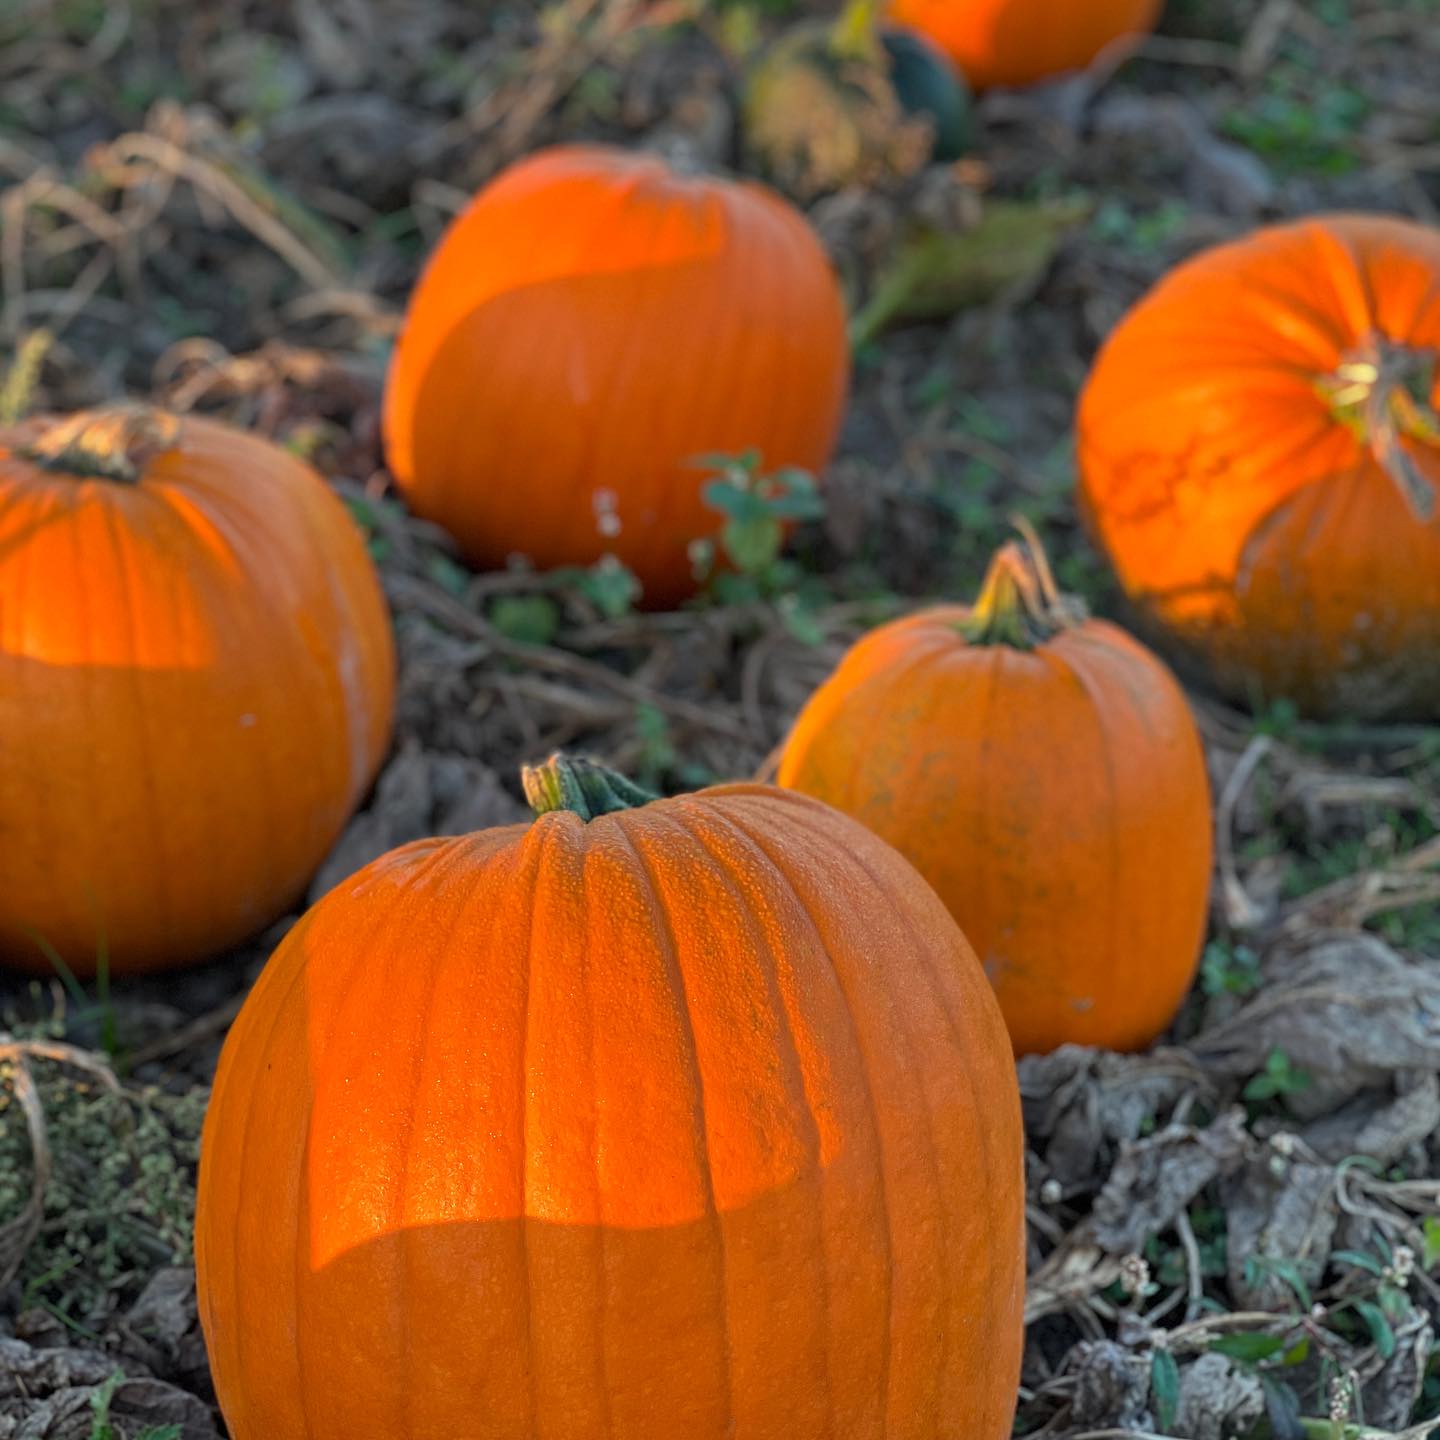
(581, 786)
(1020, 604)
(1384, 394)
(115, 442)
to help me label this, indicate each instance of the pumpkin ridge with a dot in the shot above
(886, 684)
(151, 807)
(934, 991)
(664, 930)
(238, 1282)
(584, 979)
(541, 844)
(1075, 676)
(682, 817)
(802, 909)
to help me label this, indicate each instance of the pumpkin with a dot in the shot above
(685, 1118)
(1020, 42)
(835, 103)
(196, 683)
(589, 329)
(1043, 771)
(1260, 459)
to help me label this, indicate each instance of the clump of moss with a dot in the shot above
(120, 1200)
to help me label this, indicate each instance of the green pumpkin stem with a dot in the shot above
(115, 442)
(1020, 605)
(581, 786)
(1384, 394)
(854, 36)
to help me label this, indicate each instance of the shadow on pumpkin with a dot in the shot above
(507, 1330)
(590, 399)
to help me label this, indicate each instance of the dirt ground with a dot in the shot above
(224, 207)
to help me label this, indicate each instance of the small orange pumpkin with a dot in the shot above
(1044, 773)
(196, 683)
(694, 1119)
(592, 326)
(1020, 42)
(1260, 461)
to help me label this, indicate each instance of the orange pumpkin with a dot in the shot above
(1044, 773)
(691, 1119)
(1019, 42)
(590, 327)
(196, 681)
(1260, 457)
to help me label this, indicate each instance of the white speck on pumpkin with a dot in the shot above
(607, 522)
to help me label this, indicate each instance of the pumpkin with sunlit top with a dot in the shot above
(1043, 772)
(591, 329)
(1260, 462)
(196, 685)
(692, 1118)
(1021, 42)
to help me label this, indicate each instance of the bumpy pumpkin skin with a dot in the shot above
(196, 685)
(698, 1120)
(1021, 42)
(1242, 515)
(588, 328)
(1056, 799)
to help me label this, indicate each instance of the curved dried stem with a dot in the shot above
(114, 443)
(17, 1235)
(1020, 604)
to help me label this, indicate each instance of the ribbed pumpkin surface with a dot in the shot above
(590, 327)
(196, 683)
(1260, 456)
(1056, 799)
(698, 1120)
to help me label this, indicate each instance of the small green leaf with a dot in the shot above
(1378, 1326)
(1165, 1389)
(610, 586)
(800, 620)
(445, 573)
(1248, 1349)
(1258, 1266)
(1430, 1256)
(1360, 1260)
(1298, 1353)
(1394, 1302)
(527, 619)
(734, 502)
(753, 545)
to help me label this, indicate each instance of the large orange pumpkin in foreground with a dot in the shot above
(693, 1119)
(1044, 773)
(1260, 456)
(196, 681)
(1020, 42)
(592, 326)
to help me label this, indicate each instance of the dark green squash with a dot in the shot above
(928, 84)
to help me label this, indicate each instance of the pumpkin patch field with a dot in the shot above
(720, 718)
